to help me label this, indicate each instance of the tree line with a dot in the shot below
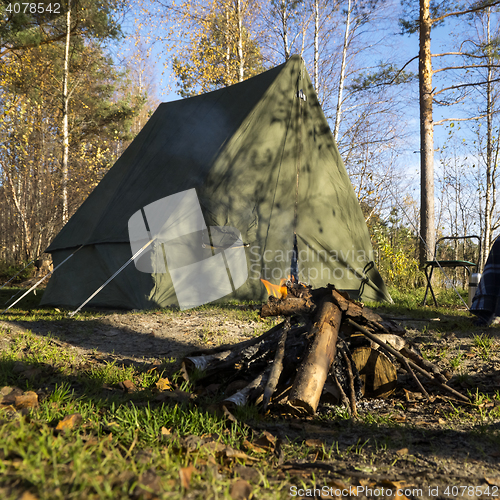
(67, 111)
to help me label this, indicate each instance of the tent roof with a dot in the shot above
(174, 152)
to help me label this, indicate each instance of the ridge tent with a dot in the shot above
(257, 156)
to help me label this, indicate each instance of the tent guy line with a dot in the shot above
(71, 314)
(40, 281)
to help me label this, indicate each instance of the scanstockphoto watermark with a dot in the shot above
(355, 491)
(327, 266)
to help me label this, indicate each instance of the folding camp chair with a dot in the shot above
(430, 265)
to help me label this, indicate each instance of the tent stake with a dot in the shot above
(71, 314)
(38, 282)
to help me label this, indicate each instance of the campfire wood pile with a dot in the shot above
(328, 348)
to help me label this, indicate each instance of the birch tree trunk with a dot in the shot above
(65, 153)
(228, 48)
(316, 46)
(427, 230)
(489, 151)
(16, 192)
(338, 114)
(241, 58)
(284, 24)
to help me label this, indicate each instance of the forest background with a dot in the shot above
(78, 81)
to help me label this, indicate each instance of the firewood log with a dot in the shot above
(287, 307)
(313, 371)
(276, 368)
(377, 372)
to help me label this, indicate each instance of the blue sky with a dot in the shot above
(407, 47)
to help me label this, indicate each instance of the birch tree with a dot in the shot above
(32, 132)
(221, 50)
(65, 104)
(480, 56)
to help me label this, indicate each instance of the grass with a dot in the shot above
(484, 343)
(118, 440)
(410, 302)
(136, 445)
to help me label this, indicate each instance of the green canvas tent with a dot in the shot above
(259, 156)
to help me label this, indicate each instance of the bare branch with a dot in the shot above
(468, 66)
(401, 70)
(466, 54)
(464, 85)
(462, 12)
(440, 122)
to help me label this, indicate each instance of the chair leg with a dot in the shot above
(429, 285)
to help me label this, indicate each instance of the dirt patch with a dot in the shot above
(140, 337)
(403, 440)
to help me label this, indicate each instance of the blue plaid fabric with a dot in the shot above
(487, 297)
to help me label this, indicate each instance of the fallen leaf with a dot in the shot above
(28, 400)
(164, 384)
(165, 432)
(248, 446)
(213, 447)
(394, 484)
(398, 486)
(247, 473)
(6, 389)
(69, 422)
(366, 482)
(400, 496)
(229, 415)
(402, 452)
(129, 386)
(337, 484)
(28, 496)
(237, 454)
(493, 481)
(410, 396)
(191, 443)
(9, 395)
(313, 443)
(240, 490)
(420, 422)
(185, 474)
(148, 487)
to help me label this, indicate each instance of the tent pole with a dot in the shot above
(39, 281)
(71, 314)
